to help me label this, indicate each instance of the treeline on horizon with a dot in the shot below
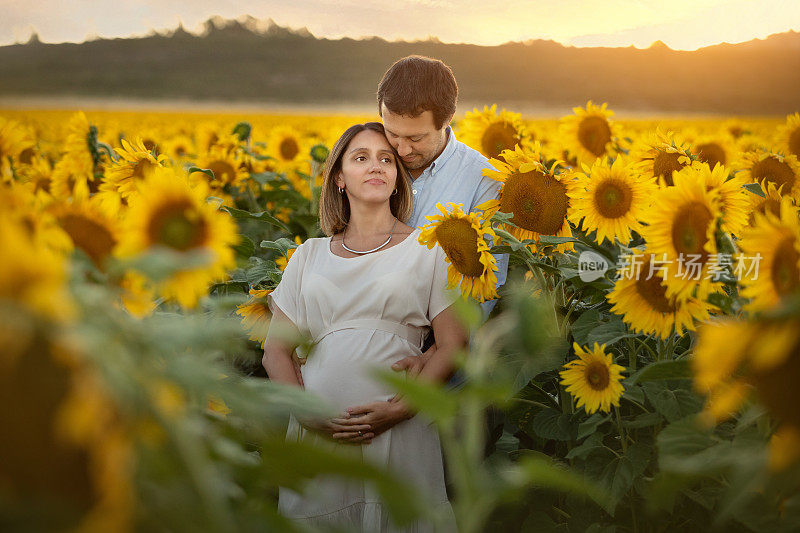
(233, 61)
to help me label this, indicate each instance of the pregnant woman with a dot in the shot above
(367, 295)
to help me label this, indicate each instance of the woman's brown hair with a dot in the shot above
(334, 207)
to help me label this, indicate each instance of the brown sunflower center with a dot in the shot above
(736, 131)
(774, 171)
(26, 156)
(142, 167)
(539, 202)
(151, 146)
(690, 229)
(612, 198)
(769, 205)
(794, 142)
(95, 239)
(711, 153)
(785, 274)
(223, 171)
(498, 136)
(288, 148)
(459, 240)
(665, 163)
(653, 291)
(594, 133)
(177, 225)
(597, 375)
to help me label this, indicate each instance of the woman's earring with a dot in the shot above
(394, 192)
(341, 191)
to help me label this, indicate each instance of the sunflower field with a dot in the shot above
(639, 372)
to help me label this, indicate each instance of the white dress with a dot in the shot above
(365, 312)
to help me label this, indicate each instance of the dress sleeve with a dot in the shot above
(441, 296)
(286, 295)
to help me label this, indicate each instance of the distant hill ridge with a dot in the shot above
(250, 60)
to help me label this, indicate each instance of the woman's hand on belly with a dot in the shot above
(344, 430)
(381, 416)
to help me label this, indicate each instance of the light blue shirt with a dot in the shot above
(456, 176)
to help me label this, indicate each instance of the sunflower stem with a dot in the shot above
(623, 437)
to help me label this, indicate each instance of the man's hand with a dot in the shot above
(343, 429)
(380, 416)
(413, 363)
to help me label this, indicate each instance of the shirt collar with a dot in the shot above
(449, 150)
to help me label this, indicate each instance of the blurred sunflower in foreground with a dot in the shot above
(491, 133)
(463, 239)
(593, 379)
(611, 200)
(67, 459)
(764, 360)
(169, 213)
(537, 196)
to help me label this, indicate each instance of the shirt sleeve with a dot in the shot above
(286, 295)
(441, 297)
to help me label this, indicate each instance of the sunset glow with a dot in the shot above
(680, 24)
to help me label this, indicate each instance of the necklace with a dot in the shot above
(374, 249)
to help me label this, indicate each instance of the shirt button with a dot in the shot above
(414, 191)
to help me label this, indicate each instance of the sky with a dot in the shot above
(681, 24)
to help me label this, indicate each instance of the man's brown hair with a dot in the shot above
(416, 84)
(334, 207)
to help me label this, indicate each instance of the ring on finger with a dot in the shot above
(360, 434)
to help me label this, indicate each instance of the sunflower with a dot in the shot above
(611, 200)
(135, 162)
(537, 197)
(776, 241)
(14, 140)
(766, 166)
(640, 296)
(681, 227)
(593, 379)
(589, 133)
(255, 315)
(89, 229)
(490, 133)
(713, 149)
(765, 359)
(660, 155)
(37, 175)
(282, 261)
(137, 294)
(789, 135)
(227, 166)
(74, 174)
(769, 203)
(289, 150)
(169, 213)
(179, 147)
(31, 275)
(68, 446)
(463, 239)
(734, 202)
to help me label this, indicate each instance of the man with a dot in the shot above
(417, 100)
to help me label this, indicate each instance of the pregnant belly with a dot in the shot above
(340, 369)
